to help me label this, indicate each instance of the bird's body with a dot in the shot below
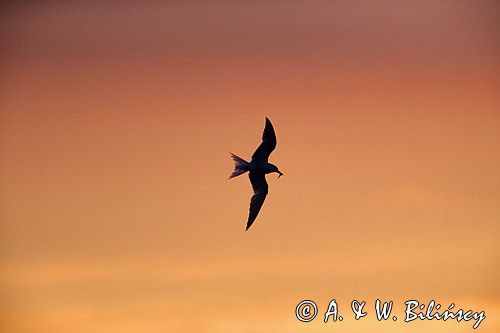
(258, 167)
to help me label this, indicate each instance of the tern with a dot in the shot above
(257, 169)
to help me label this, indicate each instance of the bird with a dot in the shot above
(257, 169)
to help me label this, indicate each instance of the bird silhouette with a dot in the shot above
(258, 167)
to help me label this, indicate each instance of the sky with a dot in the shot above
(116, 122)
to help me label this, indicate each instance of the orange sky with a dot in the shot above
(115, 124)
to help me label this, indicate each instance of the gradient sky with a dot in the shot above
(116, 119)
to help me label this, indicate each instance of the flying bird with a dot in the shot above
(258, 167)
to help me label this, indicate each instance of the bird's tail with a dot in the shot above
(240, 166)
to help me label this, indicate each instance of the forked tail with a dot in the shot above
(240, 166)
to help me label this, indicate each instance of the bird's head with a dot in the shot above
(275, 169)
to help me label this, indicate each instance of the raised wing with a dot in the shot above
(260, 187)
(268, 143)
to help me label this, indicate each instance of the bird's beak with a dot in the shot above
(280, 174)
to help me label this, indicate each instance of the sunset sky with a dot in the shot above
(116, 122)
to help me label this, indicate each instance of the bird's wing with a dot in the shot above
(260, 187)
(268, 143)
